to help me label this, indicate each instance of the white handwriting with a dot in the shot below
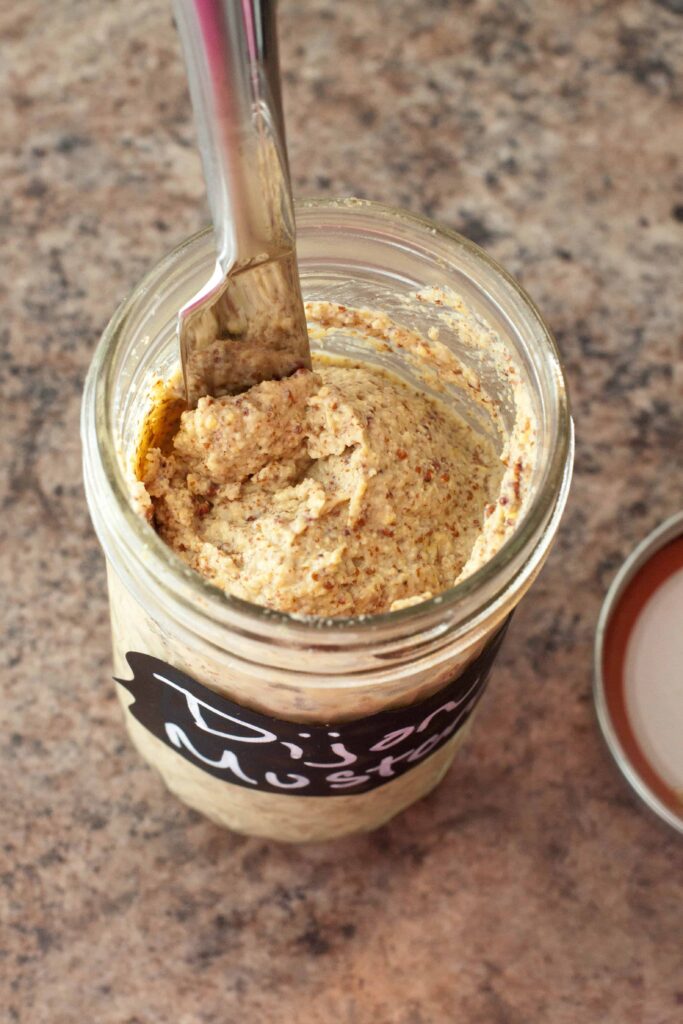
(337, 748)
(195, 705)
(295, 751)
(299, 781)
(392, 738)
(450, 705)
(342, 780)
(227, 759)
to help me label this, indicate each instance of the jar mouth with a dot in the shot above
(514, 558)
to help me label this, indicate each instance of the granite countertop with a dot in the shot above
(531, 886)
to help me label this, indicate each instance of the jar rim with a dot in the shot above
(545, 507)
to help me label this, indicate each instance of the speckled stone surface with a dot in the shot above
(531, 886)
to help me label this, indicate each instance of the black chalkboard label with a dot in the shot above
(254, 750)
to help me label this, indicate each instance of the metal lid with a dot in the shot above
(638, 685)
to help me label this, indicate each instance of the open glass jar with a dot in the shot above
(251, 715)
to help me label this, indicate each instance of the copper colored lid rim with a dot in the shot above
(620, 736)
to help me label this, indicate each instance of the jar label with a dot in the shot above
(251, 749)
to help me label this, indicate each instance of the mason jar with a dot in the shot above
(302, 728)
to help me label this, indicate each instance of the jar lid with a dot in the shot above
(638, 685)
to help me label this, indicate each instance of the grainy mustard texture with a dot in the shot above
(342, 491)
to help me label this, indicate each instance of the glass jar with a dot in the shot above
(311, 675)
